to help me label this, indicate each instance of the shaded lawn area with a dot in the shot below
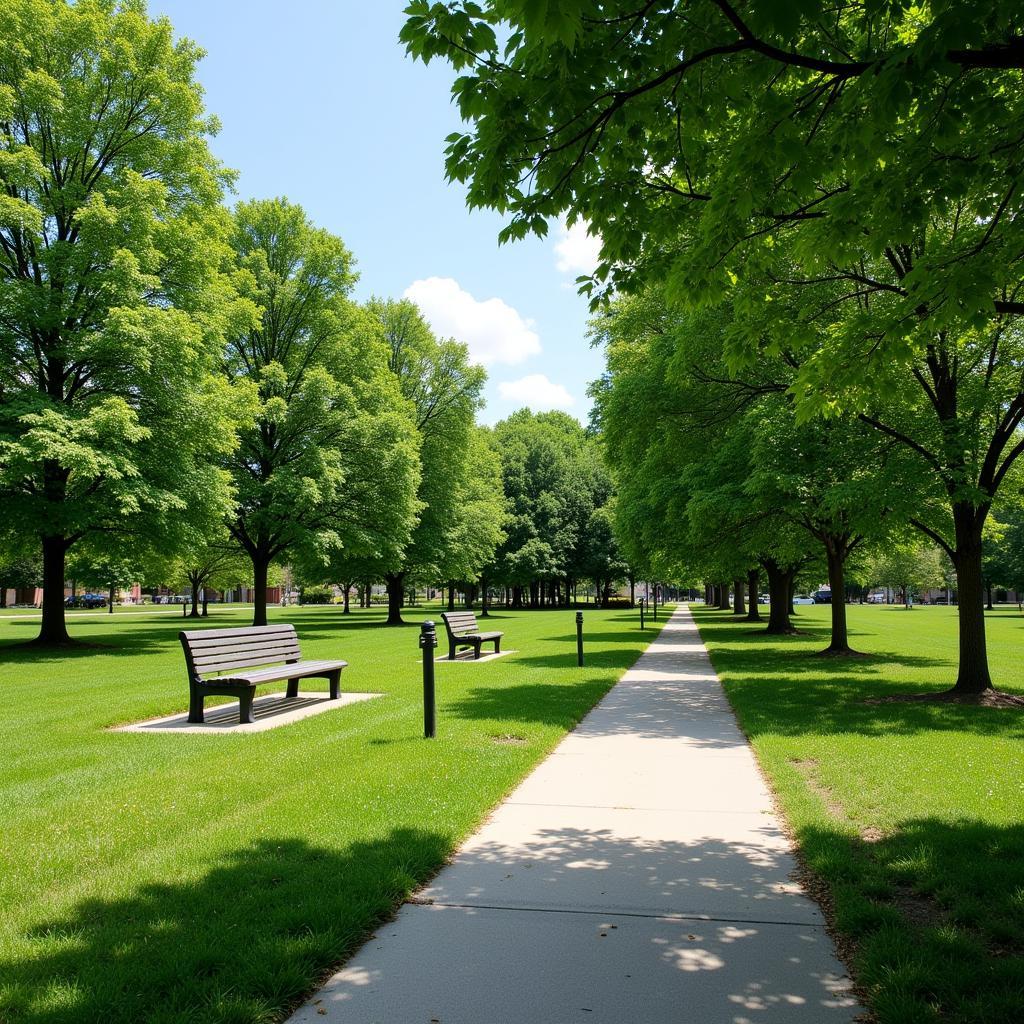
(164, 877)
(912, 815)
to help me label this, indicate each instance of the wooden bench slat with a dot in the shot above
(199, 635)
(248, 661)
(238, 651)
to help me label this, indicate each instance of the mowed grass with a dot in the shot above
(912, 815)
(161, 877)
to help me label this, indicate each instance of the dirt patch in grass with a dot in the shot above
(807, 767)
(988, 699)
(509, 739)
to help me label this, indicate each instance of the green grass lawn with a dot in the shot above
(163, 877)
(911, 814)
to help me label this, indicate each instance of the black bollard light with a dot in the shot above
(641, 613)
(579, 639)
(428, 642)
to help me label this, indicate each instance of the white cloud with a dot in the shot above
(493, 330)
(577, 250)
(536, 392)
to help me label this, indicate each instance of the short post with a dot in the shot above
(641, 613)
(579, 639)
(428, 641)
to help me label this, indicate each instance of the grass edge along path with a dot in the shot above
(909, 817)
(179, 878)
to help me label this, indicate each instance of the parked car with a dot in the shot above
(86, 601)
(803, 599)
(765, 599)
(822, 597)
(876, 598)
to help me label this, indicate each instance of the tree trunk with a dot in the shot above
(737, 603)
(346, 609)
(779, 582)
(723, 597)
(3, 595)
(260, 571)
(988, 596)
(395, 585)
(791, 592)
(484, 613)
(632, 590)
(973, 676)
(836, 550)
(206, 610)
(53, 628)
(194, 584)
(451, 597)
(753, 588)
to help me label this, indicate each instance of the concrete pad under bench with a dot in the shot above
(270, 710)
(467, 656)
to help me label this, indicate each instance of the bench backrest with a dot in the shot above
(460, 622)
(219, 650)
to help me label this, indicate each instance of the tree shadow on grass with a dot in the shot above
(939, 933)
(244, 943)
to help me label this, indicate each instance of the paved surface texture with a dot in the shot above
(639, 874)
(270, 711)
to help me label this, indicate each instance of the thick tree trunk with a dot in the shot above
(260, 571)
(973, 676)
(345, 608)
(779, 582)
(737, 602)
(396, 585)
(836, 551)
(723, 597)
(3, 595)
(753, 592)
(53, 628)
(988, 596)
(206, 610)
(451, 597)
(791, 592)
(194, 585)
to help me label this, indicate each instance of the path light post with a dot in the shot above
(579, 639)
(428, 641)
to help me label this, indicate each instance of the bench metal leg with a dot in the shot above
(293, 688)
(497, 645)
(335, 681)
(476, 651)
(195, 706)
(451, 651)
(245, 715)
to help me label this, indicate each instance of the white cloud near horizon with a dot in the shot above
(577, 251)
(536, 392)
(494, 331)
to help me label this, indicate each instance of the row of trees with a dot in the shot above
(183, 385)
(825, 206)
(189, 393)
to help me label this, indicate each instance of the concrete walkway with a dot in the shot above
(638, 875)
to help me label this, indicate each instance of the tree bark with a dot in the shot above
(451, 597)
(194, 585)
(753, 589)
(110, 599)
(632, 590)
(53, 627)
(723, 597)
(737, 602)
(973, 677)
(260, 572)
(484, 613)
(346, 609)
(836, 551)
(988, 596)
(395, 586)
(779, 581)
(3, 595)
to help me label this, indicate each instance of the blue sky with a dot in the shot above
(320, 104)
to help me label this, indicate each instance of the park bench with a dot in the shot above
(233, 662)
(463, 631)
